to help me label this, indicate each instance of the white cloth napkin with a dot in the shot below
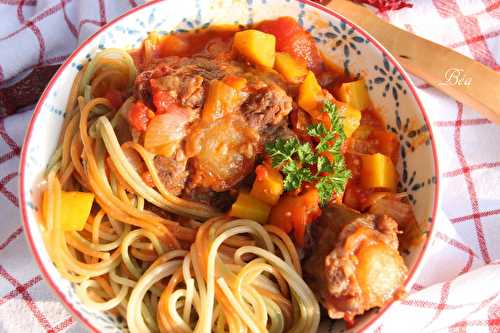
(459, 287)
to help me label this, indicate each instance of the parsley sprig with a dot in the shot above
(295, 158)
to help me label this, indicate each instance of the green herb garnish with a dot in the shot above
(295, 158)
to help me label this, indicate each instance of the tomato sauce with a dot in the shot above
(216, 40)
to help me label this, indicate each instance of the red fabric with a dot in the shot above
(27, 91)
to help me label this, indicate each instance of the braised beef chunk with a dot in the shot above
(172, 173)
(401, 211)
(142, 87)
(272, 133)
(188, 90)
(267, 106)
(354, 264)
(223, 141)
(325, 231)
(185, 78)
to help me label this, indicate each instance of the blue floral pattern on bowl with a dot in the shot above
(343, 44)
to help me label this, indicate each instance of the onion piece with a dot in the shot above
(165, 132)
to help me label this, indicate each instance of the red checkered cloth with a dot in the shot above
(384, 5)
(459, 288)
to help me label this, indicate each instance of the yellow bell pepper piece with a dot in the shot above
(310, 95)
(75, 209)
(294, 70)
(351, 119)
(268, 185)
(248, 207)
(377, 171)
(355, 94)
(256, 46)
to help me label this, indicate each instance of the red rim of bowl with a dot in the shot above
(67, 63)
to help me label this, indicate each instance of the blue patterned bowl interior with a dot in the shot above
(340, 42)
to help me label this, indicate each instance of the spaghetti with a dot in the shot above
(237, 275)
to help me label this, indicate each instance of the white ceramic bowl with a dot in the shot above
(343, 43)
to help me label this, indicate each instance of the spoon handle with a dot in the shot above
(456, 75)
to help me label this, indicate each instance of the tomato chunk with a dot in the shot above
(163, 101)
(138, 116)
(292, 39)
(282, 28)
(295, 212)
(114, 97)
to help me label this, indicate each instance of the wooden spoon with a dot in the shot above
(456, 75)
